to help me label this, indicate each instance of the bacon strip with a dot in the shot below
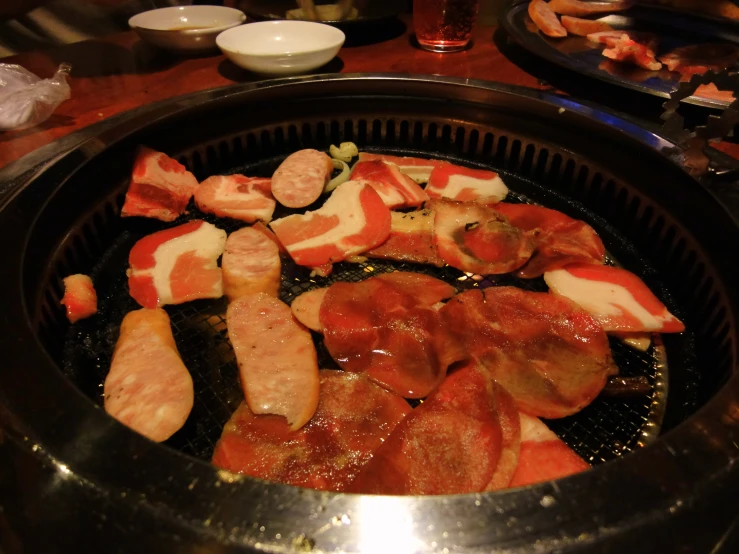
(465, 184)
(251, 264)
(411, 239)
(418, 169)
(396, 189)
(79, 298)
(236, 196)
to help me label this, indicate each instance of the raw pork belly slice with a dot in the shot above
(300, 179)
(352, 220)
(616, 298)
(148, 387)
(452, 443)
(353, 418)
(396, 189)
(387, 327)
(80, 297)
(578, 8)
(276, 357)
(584, 27)
(177, 265)
(465, 184)
(418, 169)
(251, 264)
(543, 455)
(236, 196)
(411, 239)
(560, 240)
(476, 239)
(160, 187)
(546, 20)
(551, 355)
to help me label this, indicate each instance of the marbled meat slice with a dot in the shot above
(277, 359)
(387, 328)
(543, 455)
(411, 239)
(80, 298)
(148, 387)
(160, 187)
(236, 196)
(300, 179)
(353, 418)
(579, 8)
(699, 58)
(251, 264)
(560, 239)
(584, 27)
(464, 184)
(616, 298)
(396, 189)
(546, 20)
(550, 354)
(418, 169)
(177, 265)
(477, 239)
(354, 219)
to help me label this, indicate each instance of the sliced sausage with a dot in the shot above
(307, 308)
(300, 179)
(251, 264)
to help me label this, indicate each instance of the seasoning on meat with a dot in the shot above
(148, 387)
(80, 297)
(300, 179)
(396, 189)
(584, 27)
(251, 264)
(411, 239)
(578, 8)
(160, 187)
(418, 169)
(353, 418)
(236, 196)
(276, 357)
(307, 308)
(546, 20)
(354, 219)
(464, 184)
(177, 265)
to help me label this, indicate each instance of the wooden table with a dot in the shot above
(119, 72)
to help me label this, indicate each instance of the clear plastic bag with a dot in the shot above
(26, 100)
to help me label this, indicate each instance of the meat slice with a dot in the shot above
(477, 239)
(579, 8)
(546, 20)
(630, 47)
(411, 239)
(251, 264)
(177, 265)
(699, 58)
(616, 298)
(80, 297)
(387, 328)
(307, 309)
(560, 239)
(543, 455)
(160, 187)
(236, 196)
(612, 38)
(354, 219)
(353, 418)
(418, 169)
(276, 356)
(465, 184)
(450, 444)
(300, 179)
(584, 27)
(396, 189)
(148, 387)
(551, 355)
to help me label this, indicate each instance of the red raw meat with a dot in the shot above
(236, 196)
(160, 187)
(631, 47)
(551, 355)
(560, 240)
(177, 265)
(616, 298)
(411, 239)
(80, 297)
(612, 38)
(396, 189)
(353, 220)
(418, 169)
(353, 418)
(465, 184)
(546, 20)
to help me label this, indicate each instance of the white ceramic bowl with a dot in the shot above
(185, 28)
(281, 47)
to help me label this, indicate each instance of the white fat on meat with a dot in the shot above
(485, 188)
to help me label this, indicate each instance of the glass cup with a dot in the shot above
(444, 25)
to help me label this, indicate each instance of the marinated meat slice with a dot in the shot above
(307, 308)
(477, 239)
(418, 169)
(387, 328)
(276, 356)
(551, 355)
(353, 418)
(546, 20)
(465, 184)
(616, 298)
(627, 50)
(236, 196)
(79, 298)
(560, 240)
(160, 187)
(579, 8)
(584, 27)
(148, 387)
(612, 38)
(300, 179)
(177, 265)
(411, 239)
(543, 455)
(396, 189)
(699, 58)
(450, 444)
(354, 219)
(251, 264)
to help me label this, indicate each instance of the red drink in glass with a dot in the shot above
(444, 25)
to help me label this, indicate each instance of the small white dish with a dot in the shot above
(281, 47)
(185, 29)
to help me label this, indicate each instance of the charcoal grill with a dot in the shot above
(101, 487)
